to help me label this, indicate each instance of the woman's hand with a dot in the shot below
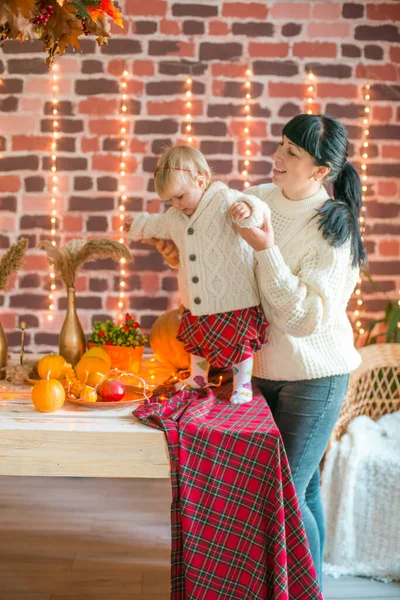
(127, 224)
(259, 238)
(167, 249)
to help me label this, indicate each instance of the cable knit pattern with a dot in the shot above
(305, 285)
(217, 267)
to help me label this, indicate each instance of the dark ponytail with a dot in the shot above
(326, 140)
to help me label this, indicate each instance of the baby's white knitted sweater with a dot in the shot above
(217, 267)
(305, 285)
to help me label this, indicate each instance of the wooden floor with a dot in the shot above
(102, 539)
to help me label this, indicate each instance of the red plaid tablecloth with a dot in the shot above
(237, 532)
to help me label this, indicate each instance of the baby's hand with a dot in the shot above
(240, 210)
(127, 224)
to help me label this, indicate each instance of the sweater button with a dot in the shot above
(190, 231)
(197, 301)
(192, 257)
(195, 279)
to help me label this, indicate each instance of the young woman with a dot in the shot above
(308, 255)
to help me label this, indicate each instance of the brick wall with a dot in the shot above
(345, 44)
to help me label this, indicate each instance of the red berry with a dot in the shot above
(136, 324)
(108, 343)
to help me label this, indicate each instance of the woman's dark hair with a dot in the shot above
(326, 140)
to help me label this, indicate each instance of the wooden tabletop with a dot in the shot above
(76, 441)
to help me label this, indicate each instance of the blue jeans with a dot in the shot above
(305, 413)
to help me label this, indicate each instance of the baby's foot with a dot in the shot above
(196, 383)
(242, 394)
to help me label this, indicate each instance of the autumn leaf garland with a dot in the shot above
(57, 23)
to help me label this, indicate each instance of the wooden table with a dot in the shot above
(77, 441)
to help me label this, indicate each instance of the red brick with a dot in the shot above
(391, 152)
(135, 87)
(31, 105)
(110, 162)
(169, 27)
(325, 11)
(150, 282)
(315, 49)
(98, 106)
(72, 223)
(395, 54)
(149, 8)
(9, 319)
(337, 90)
(143, 68)
(35, 262)
(90, 144)
(81, 283)
(387, 188)
(257, 129)
(265, 49)
(31, 142)
(17, 124)
(230, 70)
(42, 85)
(118, 30)
(295, 11)
(244, 10)
(185, 49)
(218, 28)
(10, 183)
(382, 113)
(383, 12)
(138, 146)
(117, 66)
(104, 126)
(9, 223)
(378, 72)
(254, 147)
(333, 29)
(174, 107)
(286, 90)
(389, 248)
(154, 206)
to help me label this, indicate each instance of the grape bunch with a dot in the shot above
(44, 11)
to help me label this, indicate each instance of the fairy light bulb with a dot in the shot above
(122, 188)
(364, 178)
(53, 212)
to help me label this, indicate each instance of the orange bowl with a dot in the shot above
(124, 358)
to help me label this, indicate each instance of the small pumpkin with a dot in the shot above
(48, 395)
(89, 365)
(99, 353)
(52, 366)
(163, 342)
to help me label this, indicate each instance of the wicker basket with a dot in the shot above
(374, 388)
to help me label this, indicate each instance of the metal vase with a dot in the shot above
(3, 353)
(72, 342)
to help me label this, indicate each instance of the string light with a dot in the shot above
(364, 182)
(310, 92)
(188, 110)
(122, 190)
(53, 184)
(246, 128)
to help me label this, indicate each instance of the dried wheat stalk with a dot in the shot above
(68, 260)
(12, 260)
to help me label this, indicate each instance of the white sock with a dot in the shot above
(198, 374)
(242, 373)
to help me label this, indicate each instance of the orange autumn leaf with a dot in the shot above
(106, 7)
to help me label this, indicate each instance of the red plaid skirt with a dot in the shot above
(224, 339)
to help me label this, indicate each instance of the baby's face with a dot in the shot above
(186, 198)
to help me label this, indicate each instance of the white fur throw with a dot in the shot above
(361, 495)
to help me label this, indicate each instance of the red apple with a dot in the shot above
(111, 390)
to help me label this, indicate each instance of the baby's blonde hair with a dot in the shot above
(180, 165)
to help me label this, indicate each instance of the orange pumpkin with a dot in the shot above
(89, 365)
(48, 395)
(163, 340)
(52, 366)
(99, 353)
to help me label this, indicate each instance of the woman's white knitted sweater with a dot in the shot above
(305, 285)
(217, 267)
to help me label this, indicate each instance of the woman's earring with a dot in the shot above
(315, 178)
